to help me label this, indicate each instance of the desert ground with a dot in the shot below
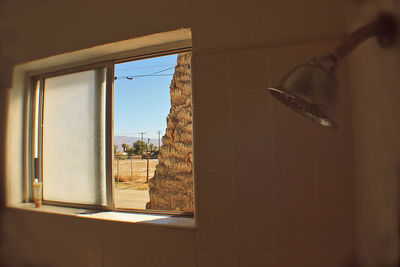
(131, 189)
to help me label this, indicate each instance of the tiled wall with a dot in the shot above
(272, 188)
(37, 239)
(375, 82)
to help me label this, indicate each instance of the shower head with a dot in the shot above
(312, 89)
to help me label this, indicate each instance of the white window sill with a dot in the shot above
(151, 219)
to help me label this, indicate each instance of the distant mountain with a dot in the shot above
(129, 140)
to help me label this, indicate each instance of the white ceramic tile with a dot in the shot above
(117, 252)
(294, 151)
(338, 257)
(217, 235)
(39, 232)
(297, 257)
(336, 210)
(178, 237)
(253, 154)
(259, 23)
(255, 211)
(146, 255)
(87, 227)
(221, 257)
(335, 149)
(212, 114)
(215, 196)
(248, 70)
(216, 212)
(254, 255)
(179, 256)
(90, 251)
(210, 75)
(254, 194)
(214, 153)
(255, 229)
(296, 211)
(65, 241)
(145, 234)
(21, 239)
(119, 230)
(250, 111)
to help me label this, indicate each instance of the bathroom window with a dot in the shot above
(115, 135)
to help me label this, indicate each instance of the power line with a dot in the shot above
(145, 67)
(131, 77)
(140, 76)
(162, 70)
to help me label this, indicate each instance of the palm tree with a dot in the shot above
(125, 147)
(171, 188)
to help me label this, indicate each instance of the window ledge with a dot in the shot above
(140, 218)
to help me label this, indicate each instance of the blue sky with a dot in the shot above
(142, 104)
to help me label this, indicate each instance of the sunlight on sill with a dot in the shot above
(140, 218)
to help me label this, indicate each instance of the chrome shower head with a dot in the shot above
(312, 89)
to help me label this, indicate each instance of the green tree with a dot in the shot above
(125, 147)
(130, 151)
(139, 147)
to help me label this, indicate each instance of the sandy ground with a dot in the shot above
(133, 170)
(133, 191)
(128, 198)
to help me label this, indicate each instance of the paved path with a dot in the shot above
(131, 198)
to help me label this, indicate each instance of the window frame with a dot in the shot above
(107, 62)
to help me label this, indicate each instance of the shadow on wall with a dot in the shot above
(14, 252)
(5, 83)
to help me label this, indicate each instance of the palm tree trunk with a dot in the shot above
(171, 188)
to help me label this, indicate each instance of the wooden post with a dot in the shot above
(147, 153)
(131, 167)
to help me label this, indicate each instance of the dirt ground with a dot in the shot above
(133, 170)
(130, 198)
(131, 189)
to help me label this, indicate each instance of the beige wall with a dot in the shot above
(375, 82)
(292, 205)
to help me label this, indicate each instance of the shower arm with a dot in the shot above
(384, 28)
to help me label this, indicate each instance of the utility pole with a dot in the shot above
(159, 132)
(147, 152)
(142, 136)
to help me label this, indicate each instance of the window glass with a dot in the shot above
(153, 134)
(74, 138)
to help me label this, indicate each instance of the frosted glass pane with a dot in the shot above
(74, 138)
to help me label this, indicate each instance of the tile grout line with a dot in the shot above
(102, 244)
(316, 177)
(233, 177)
(274, 168)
